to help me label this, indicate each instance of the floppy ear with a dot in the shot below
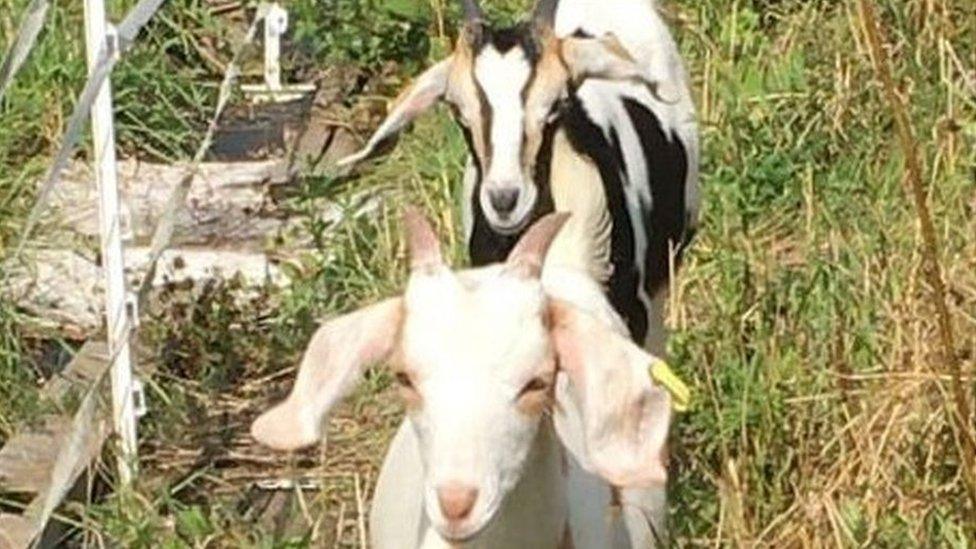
(625, 417)
(333, 362)
(604, 57)
(429, 88)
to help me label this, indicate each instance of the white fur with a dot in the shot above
(466, 431)
(642, 32)
(584, 243)
(468, 369)
(502, 77)
(484, 351)
(469, 344)
(554, 489)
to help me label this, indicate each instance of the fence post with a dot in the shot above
(275, 24)
(97, 38)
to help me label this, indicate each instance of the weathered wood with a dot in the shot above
(322, 145)
(230, 218)
(324, 139)
(27, 458)
(61, 287)
(14, 531)
(86, 367)
(65, 288)
(48, 461)
(228, 201)
(199, 265)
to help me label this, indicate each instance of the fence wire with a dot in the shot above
(108, 55)
(163, 233)
(23, 43)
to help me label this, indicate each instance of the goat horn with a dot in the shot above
(472, 11)
(545, 12)
(530, 252)
(422, 245)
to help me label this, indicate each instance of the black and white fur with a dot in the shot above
(638, 147)
(584, 109)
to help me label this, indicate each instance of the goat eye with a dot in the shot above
(403, 379)
(534, 385)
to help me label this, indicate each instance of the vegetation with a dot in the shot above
(802, 318)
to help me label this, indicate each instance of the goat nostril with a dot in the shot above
(456, 500)
(503, 200)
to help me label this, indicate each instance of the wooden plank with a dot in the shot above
(48, 461)
(88, 365)
(14, 532)
(64, 288)
(78, 447)
(227, 200)
(27, 458)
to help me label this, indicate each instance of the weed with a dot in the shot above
(370, 33)
(802, 316)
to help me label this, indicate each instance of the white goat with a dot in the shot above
(527, 404)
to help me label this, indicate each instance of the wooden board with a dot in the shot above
(27, 458)
(233, 222)
(13, 530)
(64, 289)
(228, 201)
(44, 463)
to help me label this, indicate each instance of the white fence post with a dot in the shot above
(96, 38)
(275, 24)
(275, 20)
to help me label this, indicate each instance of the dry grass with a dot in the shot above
(959, 409)
(828, 409)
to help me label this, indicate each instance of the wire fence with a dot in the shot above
(111, 51)
(111, 48)
(23, 42)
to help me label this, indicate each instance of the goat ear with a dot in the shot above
(425, 250)
(604, 57)
(333, 361)
(429, 88)
(529, 253)
(625, 417)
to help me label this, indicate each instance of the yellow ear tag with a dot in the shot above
(680, 393)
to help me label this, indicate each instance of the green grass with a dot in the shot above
(801, 317)
(163, 92)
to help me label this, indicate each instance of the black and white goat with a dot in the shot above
(585, 108)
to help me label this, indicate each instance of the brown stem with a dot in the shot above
(959, 411)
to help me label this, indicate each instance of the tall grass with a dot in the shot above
(803, 316)
(959, 409)
(162, 95)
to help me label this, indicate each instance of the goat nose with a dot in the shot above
(503, 200)
(456, 500)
